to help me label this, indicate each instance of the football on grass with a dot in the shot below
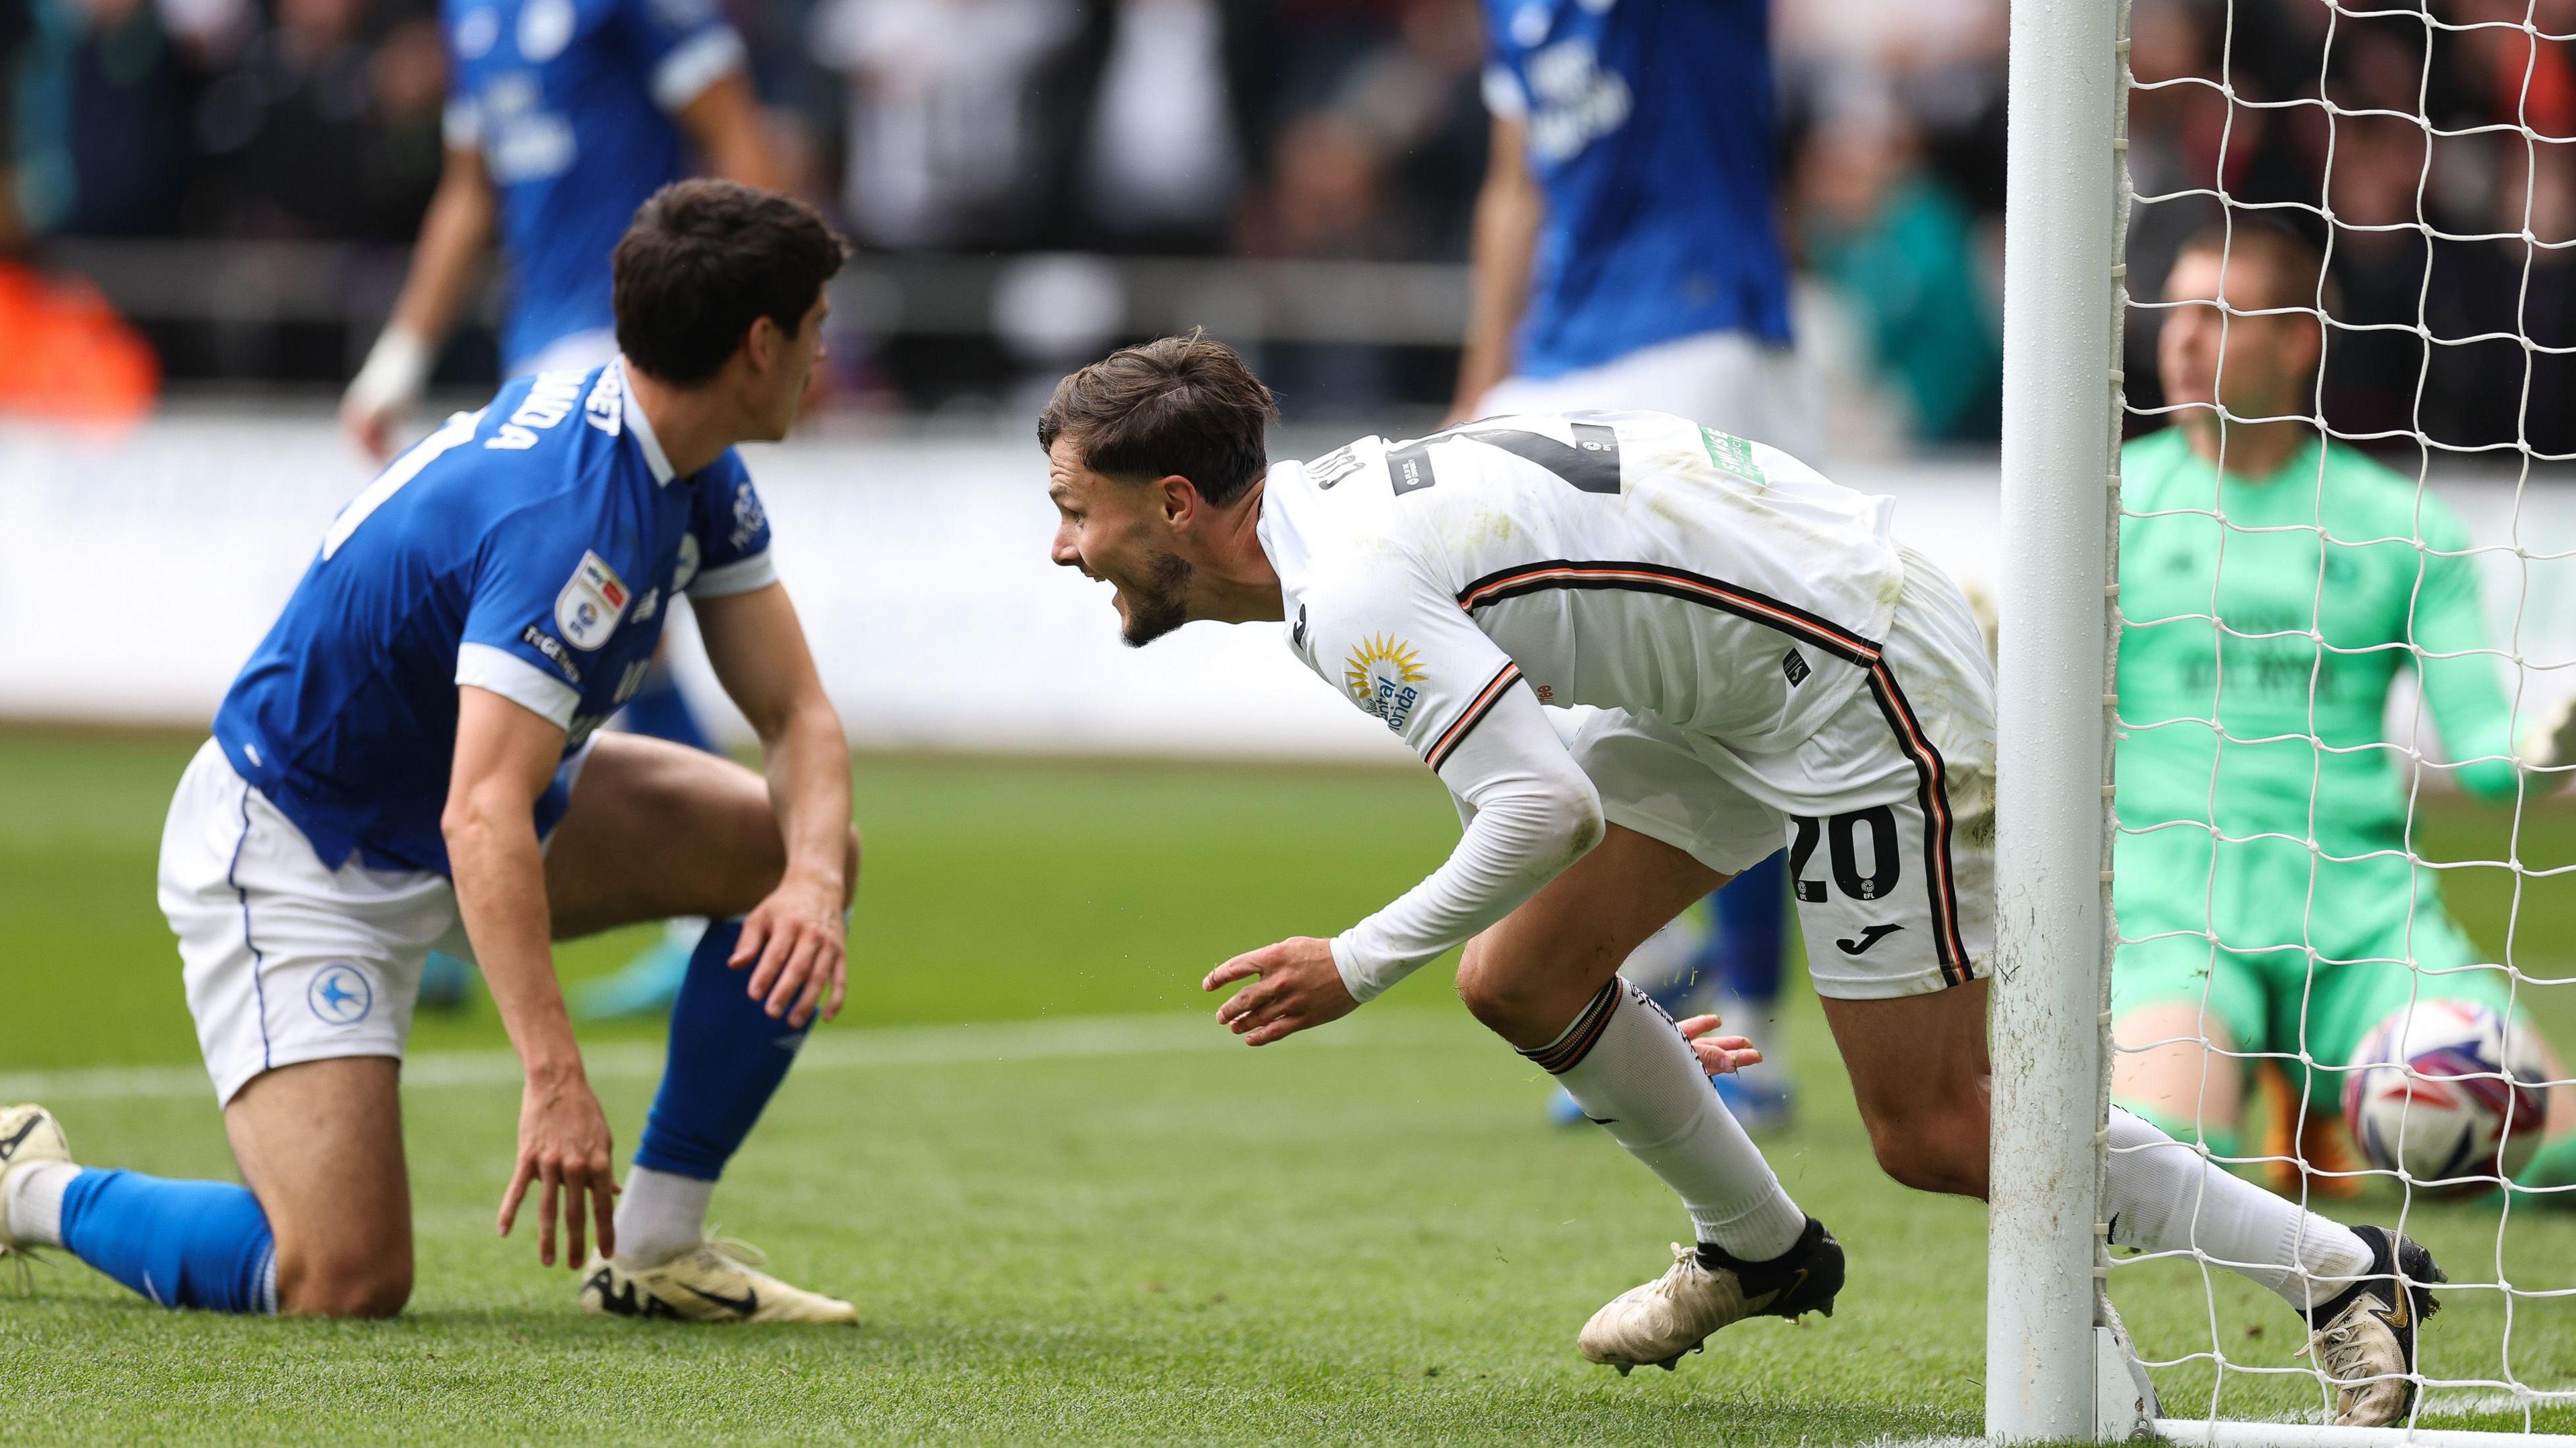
(2446, 1093)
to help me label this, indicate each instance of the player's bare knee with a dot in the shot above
(1932, 1154)
(342, 1284)
(1492, 990)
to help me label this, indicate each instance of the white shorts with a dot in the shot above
(285, 958)
(1888, 810)
(1729, 381)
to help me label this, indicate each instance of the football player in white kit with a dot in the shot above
(1589, 290)
(1768, 664)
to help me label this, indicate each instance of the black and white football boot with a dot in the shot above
(1706, 1289)
(2364, 1339)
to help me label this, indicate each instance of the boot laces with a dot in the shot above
(2342, 1347)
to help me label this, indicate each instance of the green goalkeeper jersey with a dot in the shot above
(2261, 870)
(2246, 721)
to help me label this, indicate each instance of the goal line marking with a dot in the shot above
(1069, 1038)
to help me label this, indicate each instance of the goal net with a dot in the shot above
(2338, 631)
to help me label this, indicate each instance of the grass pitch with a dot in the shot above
(1069, 1207)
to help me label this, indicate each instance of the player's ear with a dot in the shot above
(763, 346)
(1178, 498)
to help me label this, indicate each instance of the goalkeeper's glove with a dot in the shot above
(385, 389)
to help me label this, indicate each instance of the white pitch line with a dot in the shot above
(2439, 1404)
(955, 1045)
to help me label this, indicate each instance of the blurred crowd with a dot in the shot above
(1353, 129)
(1344, 129)
(2431, 150)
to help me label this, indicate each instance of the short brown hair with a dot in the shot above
(705, 259)
(2293, 267)
(1184, 406)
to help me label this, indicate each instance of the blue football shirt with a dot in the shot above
(570, 102)
(1649, 126)
(530, 549)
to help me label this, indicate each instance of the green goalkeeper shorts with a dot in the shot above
(2288, 951)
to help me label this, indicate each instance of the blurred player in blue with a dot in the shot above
(409, 761)
(1626, 256)
(562, 116)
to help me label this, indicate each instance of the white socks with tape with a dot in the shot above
(1630, 1070)
(2165, 1197)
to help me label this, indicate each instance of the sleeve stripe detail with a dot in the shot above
(1477, 708)
(695, 64)
(740, 576)
(504, 673)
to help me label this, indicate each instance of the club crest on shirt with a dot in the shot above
(1381, 674)
(592, 601)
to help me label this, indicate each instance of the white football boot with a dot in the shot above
(715, 1283)
(28, 1134)
(2364, 1340)
(1674, 1314)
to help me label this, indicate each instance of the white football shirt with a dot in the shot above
(1626, 559)
(1630, 560)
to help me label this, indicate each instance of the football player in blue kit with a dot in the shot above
(1626, 256)
(409, 761)
(562, 116)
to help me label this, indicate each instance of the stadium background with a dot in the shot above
(1068, 1213)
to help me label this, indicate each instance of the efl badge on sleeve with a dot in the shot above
(592, 601)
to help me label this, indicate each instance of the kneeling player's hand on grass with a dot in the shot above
(795, 936)
(1718, 1055)
(1294, 985)
(564, 1143)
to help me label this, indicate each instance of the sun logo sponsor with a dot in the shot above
(1381, 674)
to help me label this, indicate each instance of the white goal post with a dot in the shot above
(2060, 422)
(2051, 1373)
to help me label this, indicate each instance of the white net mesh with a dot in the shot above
(2352, 266)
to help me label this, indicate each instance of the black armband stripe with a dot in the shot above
(1474, 714)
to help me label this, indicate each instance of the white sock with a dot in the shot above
(2164, 1197)
(660, 1216)
(268, 1281)
(1626, 1066)
(35, 1205)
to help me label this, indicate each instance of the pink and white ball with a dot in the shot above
(2447, 1095)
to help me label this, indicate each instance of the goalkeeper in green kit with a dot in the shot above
(2265, 897)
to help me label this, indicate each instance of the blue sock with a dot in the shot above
(659, 709)
(727, 1057)
(1743, 951)
(180, 1243)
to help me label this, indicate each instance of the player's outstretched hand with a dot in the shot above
(1718, 1055)
(564, 1143)
(795, 938)
(1294, 985)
